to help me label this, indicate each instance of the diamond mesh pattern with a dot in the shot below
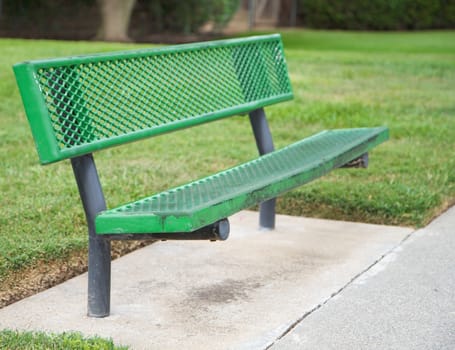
(109, 97)
(197, 204)
(306, 155)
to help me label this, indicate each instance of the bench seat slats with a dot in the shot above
(202, 202)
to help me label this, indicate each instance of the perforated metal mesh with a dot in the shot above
(108, 97)
(310, 155)
(200, 203)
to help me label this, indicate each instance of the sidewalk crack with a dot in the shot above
(352, 280)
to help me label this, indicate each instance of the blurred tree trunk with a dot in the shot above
(115, 19)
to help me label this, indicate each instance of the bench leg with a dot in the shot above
(99, 250)
(265, 145)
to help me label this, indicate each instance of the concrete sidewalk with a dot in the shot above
(405, 301)
(256, 290)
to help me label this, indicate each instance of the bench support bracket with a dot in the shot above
(265, 145)
(218, 231)
(360, 162)
(99, 248)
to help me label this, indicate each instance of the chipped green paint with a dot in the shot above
(197, 204)
(79, 105)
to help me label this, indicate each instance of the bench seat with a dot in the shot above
(203, 202)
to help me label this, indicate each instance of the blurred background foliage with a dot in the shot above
(144, 20)
(81, 19)
(187, 16)
(378, 14)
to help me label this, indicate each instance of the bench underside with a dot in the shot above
(203, 202)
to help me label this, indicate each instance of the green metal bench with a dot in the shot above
(79, 105)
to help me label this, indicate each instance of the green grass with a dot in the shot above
(18, 340)
(340, 79)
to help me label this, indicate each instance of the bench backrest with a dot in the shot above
(77, 105)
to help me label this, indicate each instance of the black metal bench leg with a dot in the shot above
(99, 256)
(265, 145)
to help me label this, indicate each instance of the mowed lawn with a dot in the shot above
(340, 79)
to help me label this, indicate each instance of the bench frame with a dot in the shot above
(99, 246)
(60, 100)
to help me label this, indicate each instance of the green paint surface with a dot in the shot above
(78, 105)
(199, 203)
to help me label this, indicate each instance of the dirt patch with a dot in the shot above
(46, 274)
